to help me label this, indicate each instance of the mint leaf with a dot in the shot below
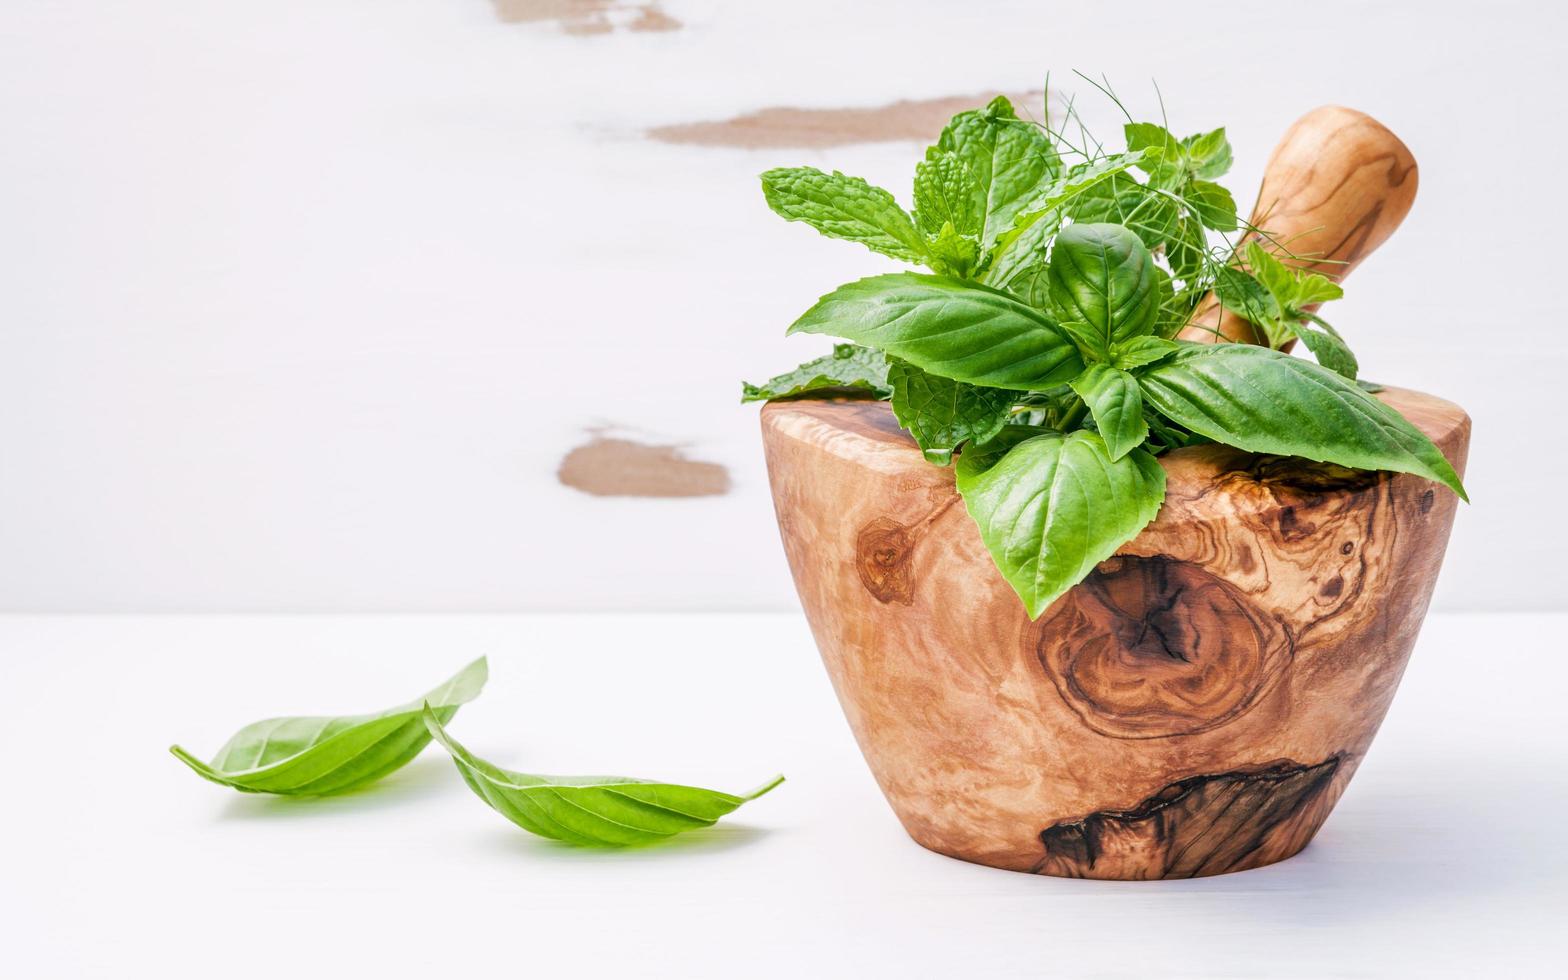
(947, 192)
(1117, 406)
(1328, 346)
(320, 756)
(1263, 401)
(948, 327)
(593, 811)
(1024, 243)
(943, 414)
(849, 366)
(1011, 160)
(1243, 295)
(1208, 154)
(1150, 213)
(1102, 275)
(953, 254)
(844, 207)
(1051, 506)
(1212, 204)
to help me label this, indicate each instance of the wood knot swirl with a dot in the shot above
(882, 552)
(1155, 647)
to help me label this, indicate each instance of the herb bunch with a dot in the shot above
(1041, 348)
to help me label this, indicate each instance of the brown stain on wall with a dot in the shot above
(782, 126)
(614, 466)
(585, 16)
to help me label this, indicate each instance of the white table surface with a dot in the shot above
(1446, 858)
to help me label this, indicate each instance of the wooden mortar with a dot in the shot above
(1196, 706)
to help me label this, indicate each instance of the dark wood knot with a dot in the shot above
(1155, 647)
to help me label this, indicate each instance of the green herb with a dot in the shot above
(305, 756)
(1281, 301)
(1051, 506)
(849, 367)
(1041, 348)
(591, 810)
(943, 414)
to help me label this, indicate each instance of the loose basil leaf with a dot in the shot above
(948, 327)
(844, 207)
(1051, 506)
(1264, 401)
(947, 192)
(942, 414)
(1010, 160)
(305, 756)
(850, 366)
(1024, 244)
(1117, 406)
(1102, 275)
(605, 811)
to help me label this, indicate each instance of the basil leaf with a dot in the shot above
(844, 207)
(949, 327)
(1117, 406)
(1089, 338)
(1032, 285)
(1264, 401)
(305, 756)
(1052, 506)
(947, 192)
(848, 367)
(943, 414)
(1103, 275)
(1139, 351)
(1009, 158)
(610, 811)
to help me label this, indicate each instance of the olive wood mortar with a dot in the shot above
(1196, 706)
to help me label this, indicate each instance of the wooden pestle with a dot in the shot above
(1335, 188)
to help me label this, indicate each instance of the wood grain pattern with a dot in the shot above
(1335, 188)
(1220, 678)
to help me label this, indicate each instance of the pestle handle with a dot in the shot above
(1335, 188)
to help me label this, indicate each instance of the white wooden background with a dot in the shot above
(302, 303)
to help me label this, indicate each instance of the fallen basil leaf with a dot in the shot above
(319, 756)
(590, 810)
